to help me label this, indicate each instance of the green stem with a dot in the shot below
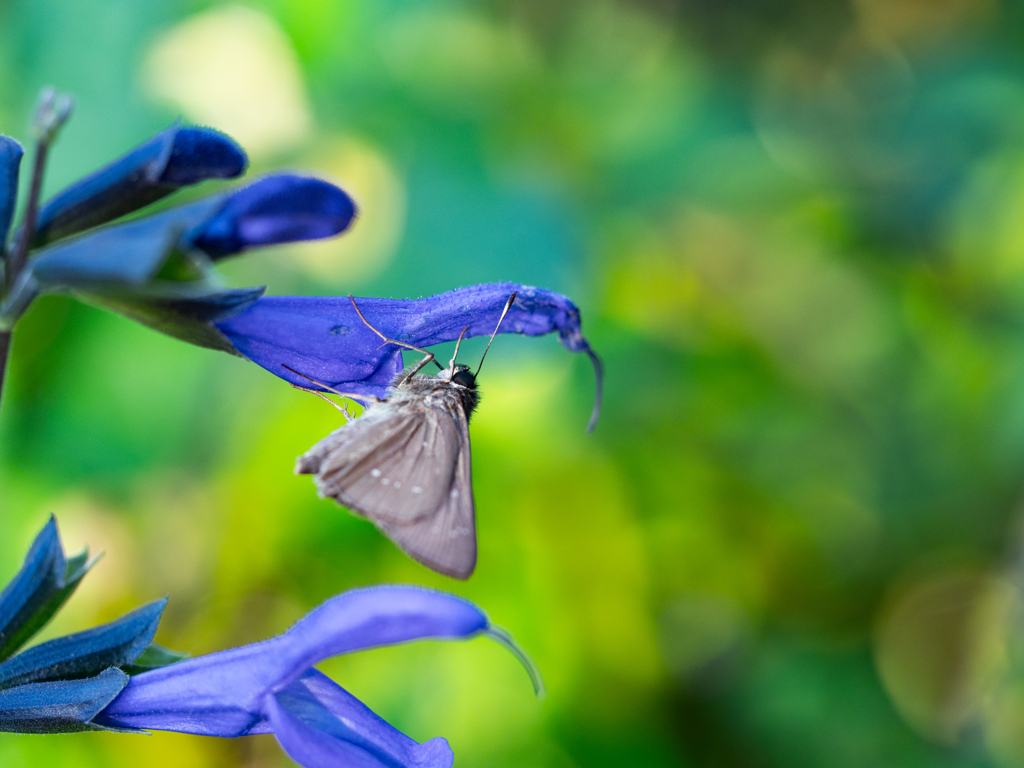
(19, 254)
(52, 111)
(5, 349)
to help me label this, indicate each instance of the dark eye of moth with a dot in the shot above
(465, 379)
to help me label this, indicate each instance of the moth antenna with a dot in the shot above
(457, 343)
(508, 305)
(349, 395)
(429, 355)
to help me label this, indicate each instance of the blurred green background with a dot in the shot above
(795, 229)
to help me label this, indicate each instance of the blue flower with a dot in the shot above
(61, 685)
(272, 687)
(113, 677)
(323, 338)
(177, 157)
(158, 269)
(275, 209)
(278, 209)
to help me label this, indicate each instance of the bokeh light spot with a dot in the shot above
(235, 70)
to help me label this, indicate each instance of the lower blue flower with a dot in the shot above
(271, 687)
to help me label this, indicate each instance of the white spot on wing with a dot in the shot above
(385, 481)
(374, 473)
(417, 489)
(397, 484)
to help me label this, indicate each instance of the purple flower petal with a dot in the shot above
(224, 694)
(277, 209)
(319, 723)
(324, 338)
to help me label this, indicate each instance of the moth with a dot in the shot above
(405, 463)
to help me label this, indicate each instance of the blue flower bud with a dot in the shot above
(170, 160)
(276, 209)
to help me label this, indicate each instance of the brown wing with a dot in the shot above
(394, 465)
(446, 540)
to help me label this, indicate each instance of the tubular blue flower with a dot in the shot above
(323, 338)
(122, 267)
(177, 157)
(275, 209)
(156, 270)
(271, 687)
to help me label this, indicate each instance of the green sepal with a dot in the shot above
(154, 657)
(184, 311)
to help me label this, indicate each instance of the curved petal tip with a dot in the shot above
(599, 392)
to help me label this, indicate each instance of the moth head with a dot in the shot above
(461, 375)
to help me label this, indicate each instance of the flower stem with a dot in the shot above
(19, 254)
(5, 348)
(52, 111)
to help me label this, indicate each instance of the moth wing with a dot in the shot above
(393, 465)
(344, 436)
(446, 540)
(349, 442)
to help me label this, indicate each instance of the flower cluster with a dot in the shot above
(113, 677)
(160, 270)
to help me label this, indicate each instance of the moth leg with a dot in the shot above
(349, 395)
(340, 406)
(428, 355)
